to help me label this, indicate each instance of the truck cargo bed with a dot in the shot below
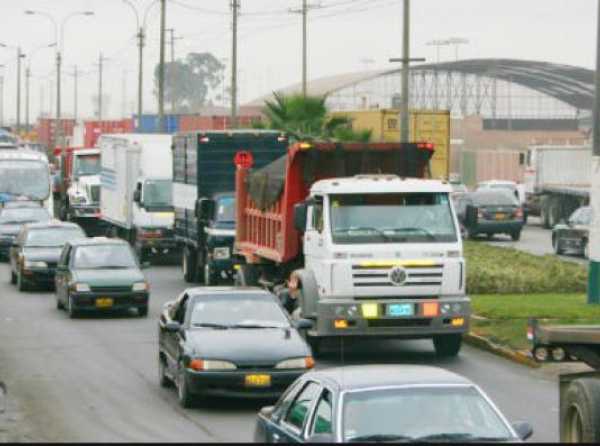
(569, 334)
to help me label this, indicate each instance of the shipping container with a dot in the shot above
(149, 123)
(94, 129)
(485, 165)
(191, 123)
(425, 126)
(46, 130)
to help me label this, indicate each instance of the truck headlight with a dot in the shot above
(297, 363)
(221, 253)
(29, 264)
(82, 288)
(140, 286)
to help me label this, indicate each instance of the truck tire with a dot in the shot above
(580, 412)
(189, 265)
(447, 346)
(556, 245)
(554, 212)
(544, 212)
(247, 276)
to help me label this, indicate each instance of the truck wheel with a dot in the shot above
(447, 346)
(580, 412)
(554, 212)
(189, 265)
(556, 245)
(544, 212)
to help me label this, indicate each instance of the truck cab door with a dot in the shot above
(314, 236)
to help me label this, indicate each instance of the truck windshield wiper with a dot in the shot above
(380, 438)
(211, 325)
(365, 228)
(427, 233)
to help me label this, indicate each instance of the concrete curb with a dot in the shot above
(512, 355)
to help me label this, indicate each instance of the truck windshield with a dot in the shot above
(158, 194)
(87, 165)
(24, 179)
(392, 218)
(226, 209)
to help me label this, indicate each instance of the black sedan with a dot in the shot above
(390, 403)
(12, 220)
(35, 253)
(573, 235)
(490, 212)
(229, 342)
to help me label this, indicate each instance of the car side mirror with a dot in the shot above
(205, 209)
(303, 324)
(321, 438)
(300, 215)
(524, 430)
(137, 196)
(173, 327)
(267, 411)
(471, 215)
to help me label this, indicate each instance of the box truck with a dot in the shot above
(136, 197)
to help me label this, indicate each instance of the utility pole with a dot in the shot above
(235, 5)
(171, 78)
(19, 56)
(58, 129)
(2, 95)
(27, 78)
(75, 79)
(140, 72)
(100, 62)
(161, 70)
(304, 11)
(594, 249)
(124, 93)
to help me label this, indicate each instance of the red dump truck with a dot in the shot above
(355, 242)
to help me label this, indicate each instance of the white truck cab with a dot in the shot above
(83, 194)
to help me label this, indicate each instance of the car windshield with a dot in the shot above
(23, 215)
(226, 209)
(424, 413)
(158, 194)
(86, 165)
(52, 237)
(28, 179)
(496, 198)
(401, 218)
(104, 257)
(237, 310)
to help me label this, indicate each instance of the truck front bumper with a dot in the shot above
(158, 245)
(85, 211)
(371, 317)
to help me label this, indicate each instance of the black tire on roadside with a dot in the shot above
(447, 346)
(189, 265)
(183, 393)
(580, 412)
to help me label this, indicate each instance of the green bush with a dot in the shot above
(494, 270)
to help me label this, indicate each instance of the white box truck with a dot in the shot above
(136, 199)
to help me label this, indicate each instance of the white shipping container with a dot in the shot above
(566, 168)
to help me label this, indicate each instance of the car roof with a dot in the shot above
(352, 378)
(98, 241)
(52, 224)
(226, 290)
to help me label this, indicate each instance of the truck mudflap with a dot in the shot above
(404, 318)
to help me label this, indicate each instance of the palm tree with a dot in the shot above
(306, 118)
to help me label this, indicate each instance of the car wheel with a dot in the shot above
(516, 236)
(70, 308)
(163, 379)
(556, 245)
(183, 393)
(447, 346)
(21, 282)
(143, 311)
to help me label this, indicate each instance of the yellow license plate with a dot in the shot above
(258, 380)
(500, 216)
(104, 302)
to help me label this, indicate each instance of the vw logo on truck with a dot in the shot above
(398, 276)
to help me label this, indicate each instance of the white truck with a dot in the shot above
(558, 181)
(136, 198)
(81, 200)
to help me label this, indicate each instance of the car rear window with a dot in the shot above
(495, 198)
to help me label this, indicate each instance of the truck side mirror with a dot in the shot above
(137, 196)
(300, 214)
(471, 216)
(205, 209)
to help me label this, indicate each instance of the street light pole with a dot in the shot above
(19, 56)
(234, 74)
(2, 96)
(161, 69)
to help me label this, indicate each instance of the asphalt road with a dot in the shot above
(95, 379)
(534, 240)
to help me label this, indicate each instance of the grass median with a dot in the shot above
(508, 286)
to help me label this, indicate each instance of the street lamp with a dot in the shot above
(28, 76)
(2, 96)
(59, 30)
(140, 27)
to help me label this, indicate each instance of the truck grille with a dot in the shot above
(379, 276)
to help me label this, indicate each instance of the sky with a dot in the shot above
(343, 36)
